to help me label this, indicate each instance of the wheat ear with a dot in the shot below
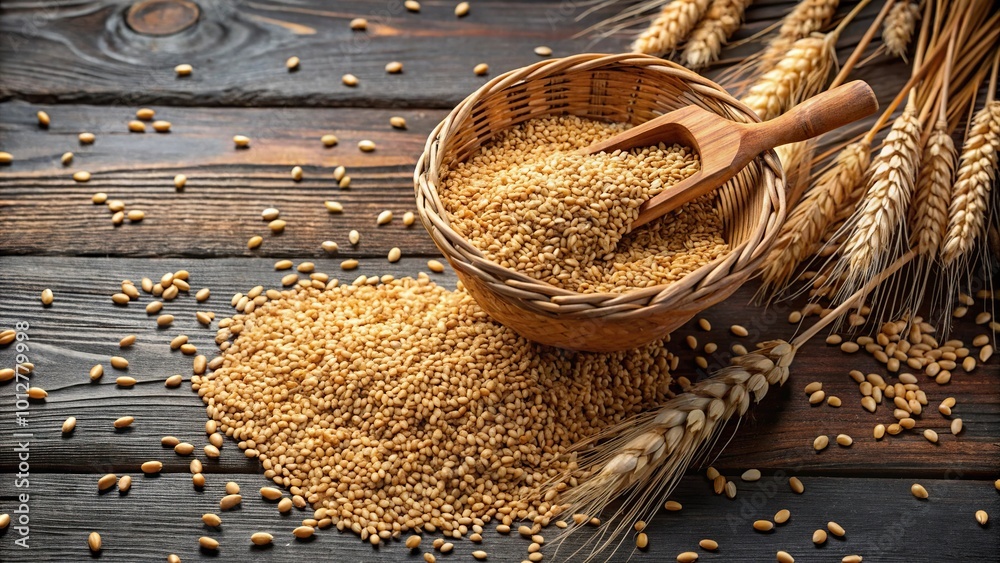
(808, 17)
(877, 224)
(970, 194)
(800, 74)
(839, 187)
(899, 27)
(671, 27)
(655, 449)
(929, 213)
(721, 21)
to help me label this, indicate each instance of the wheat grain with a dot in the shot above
(720, 22)
(876, 226)
(839, 187)
(929, 213)
(671, 27)
(652, 452)
(808, 17)
(800, 74)
(898, 28)
(970, 194)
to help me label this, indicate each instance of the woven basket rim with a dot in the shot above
(553, 300)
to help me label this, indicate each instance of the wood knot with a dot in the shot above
(162, 17)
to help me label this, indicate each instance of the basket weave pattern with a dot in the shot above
(628, 88)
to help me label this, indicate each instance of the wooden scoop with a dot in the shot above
(726, 147)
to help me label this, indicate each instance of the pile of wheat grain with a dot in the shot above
(401, 406)
(529, 202)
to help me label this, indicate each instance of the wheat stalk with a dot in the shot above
(808, 17)
(655, 449)
(899, 27)
(800, 74)
(721, 21)
(929, 213)
(877, 224)
(671, 27)
(839, 187)
(970, 194)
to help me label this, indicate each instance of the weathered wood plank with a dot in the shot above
(46, 212)
(83, 327)
(87, 53)
(162, 515)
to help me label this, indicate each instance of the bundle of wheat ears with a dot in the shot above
(916, 200)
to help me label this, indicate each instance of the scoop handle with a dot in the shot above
(819, 114)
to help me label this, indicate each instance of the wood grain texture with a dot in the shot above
(83, 327)
(162, 515)
(86, 52)
(47, 212)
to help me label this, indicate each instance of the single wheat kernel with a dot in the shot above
(99, 198)
(879, 431)
(672, 506)
(481, 69)
(820, 443)
(983, 318)
(982, 517)
(985, 353)
(844, 440)
(232, 488)
(785, 557)
(169, 441)
(119, 362)
(836, 529)
(479, 554)
(136, 215)
(641, 541)
(708, 545)
(429, 557)
(96, 372)
(303, 532)
(397, 122)
(6, 157)
(284, 505)
(919, 491)
(931, 436)
(106, 482)
(359, 24)
(543, 51)
(68, 425)
(395, 254)
(241, 141)
(277, 226)
(270, 493)
(161, 126)
(164, 320)
(782, 516)
(254, 242)
(297, 173)
(66, 158)
(183, 69)
(124, 483)
(94, 542)
(86, 138)
(144, 114)
(81, 176)
(834, 401)
(751, 475)
(292, 63)
(136, 126)
(819, 537)
(125, 382)
(349, 80)
(208, 543)
(43, 119)
(270, 214)
(366, 145)
(461, 9)
(849, 347)
(354, 237)
(796, 484)
(739, 331)
(229, 501)
(763, 525)
(412, 5)
(47, 297)
(956, 426)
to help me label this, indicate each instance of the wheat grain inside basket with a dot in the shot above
(628, 88)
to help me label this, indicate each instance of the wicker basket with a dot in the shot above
(624, 88)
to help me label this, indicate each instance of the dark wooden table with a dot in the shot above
(90, 68)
